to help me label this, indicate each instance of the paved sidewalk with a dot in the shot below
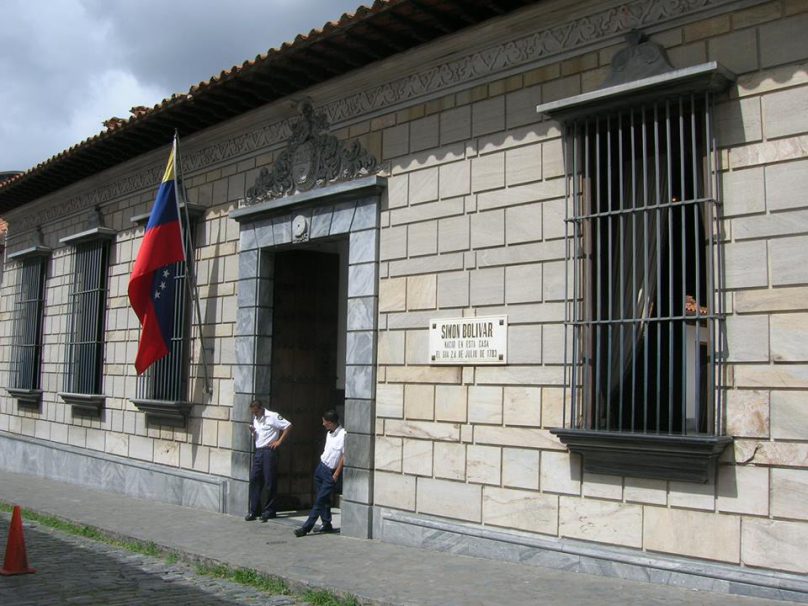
(377, 573)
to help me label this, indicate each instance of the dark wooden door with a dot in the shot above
(304, 363)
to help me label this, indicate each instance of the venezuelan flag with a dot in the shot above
(153, 280)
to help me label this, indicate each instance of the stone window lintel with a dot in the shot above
(195, 212)
(710, 76)
(89, 235)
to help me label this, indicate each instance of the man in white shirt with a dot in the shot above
(326, 475)
(270, 430)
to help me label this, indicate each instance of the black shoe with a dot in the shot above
(249, 517)
(327, 528)
(301, 532)
(268, 516)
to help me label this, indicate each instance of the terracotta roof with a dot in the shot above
(370, 34)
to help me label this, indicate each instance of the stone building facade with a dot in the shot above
(451, 200)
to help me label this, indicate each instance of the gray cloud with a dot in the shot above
(68, 65)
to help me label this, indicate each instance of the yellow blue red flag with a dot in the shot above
(153, 280)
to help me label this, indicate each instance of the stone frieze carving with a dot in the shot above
(221, 151)
(543, 44)
(149, 178)
(312, 158)
(591, 29)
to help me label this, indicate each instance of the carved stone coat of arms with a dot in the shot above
(312, 158)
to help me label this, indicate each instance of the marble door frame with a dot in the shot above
(349, 211)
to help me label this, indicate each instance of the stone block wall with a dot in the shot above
(204, 443)
(214, 440)
(472, 224)
(475, 227)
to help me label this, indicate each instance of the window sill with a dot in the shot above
(662, 457)
(84, 402)
(164, 412)
(27, 398)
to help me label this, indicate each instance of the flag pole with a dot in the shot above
(185, 227)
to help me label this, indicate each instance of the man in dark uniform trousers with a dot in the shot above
(326, 475)
(270, 430)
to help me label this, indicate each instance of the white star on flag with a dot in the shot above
(163, 284)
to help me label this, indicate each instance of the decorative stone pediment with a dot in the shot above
(640, 59)
(312, 158)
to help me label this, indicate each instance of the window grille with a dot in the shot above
(88, 306)
(167, 379)
(27, 352)
(644, 297)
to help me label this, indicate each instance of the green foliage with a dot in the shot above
(245, 576)
(326, 598)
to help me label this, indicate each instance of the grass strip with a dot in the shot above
(242, 576)
(88, 532)
(245, 576)
(326, 598)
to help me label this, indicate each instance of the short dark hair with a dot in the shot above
(257, 403)
(331, 416)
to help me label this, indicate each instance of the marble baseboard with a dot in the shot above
(576, 556)
(238, 497)
(111, 473)
(357, 519)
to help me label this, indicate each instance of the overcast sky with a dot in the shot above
(68, 65)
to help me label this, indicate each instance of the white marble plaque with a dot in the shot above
(468, 341)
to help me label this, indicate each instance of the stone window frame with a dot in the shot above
(29, 392)
(174, 411)
(99, 238)
(691, 458)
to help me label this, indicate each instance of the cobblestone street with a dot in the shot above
(75, 570)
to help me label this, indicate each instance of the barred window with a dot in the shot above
(29, 310)
(88, 305)
(643, 287)
(167, 379)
